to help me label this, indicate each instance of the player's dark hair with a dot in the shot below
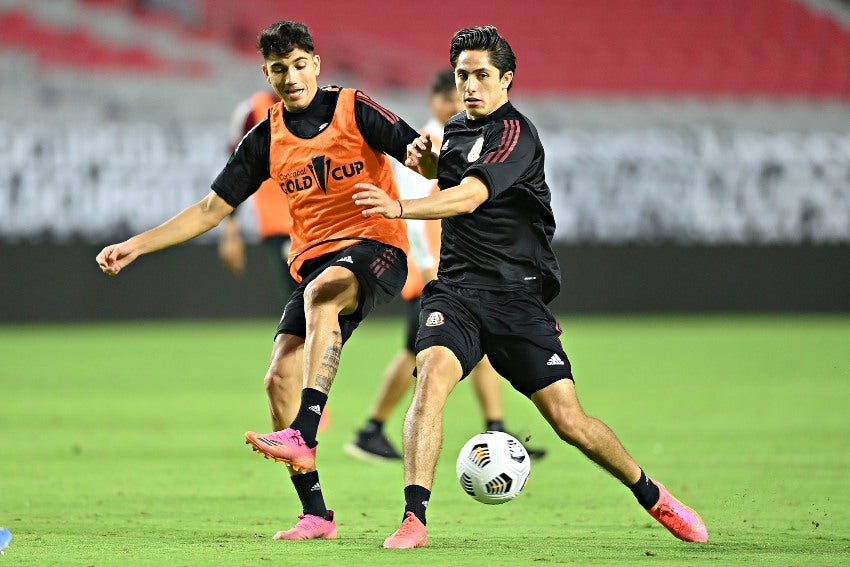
(444, 82)
(484, 38)
(281, 38)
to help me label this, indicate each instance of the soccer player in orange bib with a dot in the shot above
(317, 143)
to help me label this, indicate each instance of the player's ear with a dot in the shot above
(507, 79)
(318, 61)
(266, 72)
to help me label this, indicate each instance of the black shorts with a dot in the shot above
(380, 270)
(515, 329)
(411, 328)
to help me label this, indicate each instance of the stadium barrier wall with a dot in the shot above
(694, 185)
(57, 283)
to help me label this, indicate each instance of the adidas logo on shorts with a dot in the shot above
(555, 360)
(346, 259)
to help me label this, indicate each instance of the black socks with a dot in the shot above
(310, 493)
(645, 491)
(416, 500)
(307, 421)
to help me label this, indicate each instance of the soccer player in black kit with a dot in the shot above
(497, 273)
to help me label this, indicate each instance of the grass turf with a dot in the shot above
(121, 444)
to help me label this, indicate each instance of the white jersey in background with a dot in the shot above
(411, 185)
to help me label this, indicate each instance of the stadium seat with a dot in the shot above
(722, 48)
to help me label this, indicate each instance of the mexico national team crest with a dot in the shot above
(475, 152)
(435, 319)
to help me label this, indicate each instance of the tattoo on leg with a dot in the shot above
(330, 364)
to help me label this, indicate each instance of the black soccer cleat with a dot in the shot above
(372, 446)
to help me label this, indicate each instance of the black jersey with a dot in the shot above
(507, 242)
(248, 166)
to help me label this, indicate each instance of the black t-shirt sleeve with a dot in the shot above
(382, 129)
(247, 168)
(508, 151)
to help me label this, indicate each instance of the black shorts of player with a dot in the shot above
(411, 329)
(380, 270)
(515, 329)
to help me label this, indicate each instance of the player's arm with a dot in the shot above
(384, 131)
(189, 223)
(231, 246)
(458, 200)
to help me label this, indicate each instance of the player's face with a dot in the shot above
(479, 83)
(293, 77)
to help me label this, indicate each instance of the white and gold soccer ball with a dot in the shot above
(493, 467)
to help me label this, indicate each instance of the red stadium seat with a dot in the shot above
(722, 48)
(79, 48)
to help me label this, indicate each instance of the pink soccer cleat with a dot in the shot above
(284, 446)
(310, 527)
(682, 522)
(410, 534)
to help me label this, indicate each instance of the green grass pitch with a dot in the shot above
(122, 444)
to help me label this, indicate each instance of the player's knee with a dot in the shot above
(436, 374)
(330, 293)
(569, 429)
(318, 292)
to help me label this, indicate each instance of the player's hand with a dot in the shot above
(231, 252)
(114, 257)
(376, 201)
(418, 151)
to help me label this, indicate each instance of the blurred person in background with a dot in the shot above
(270, 205)
(371, 442)
(497, 273)
(317, 143)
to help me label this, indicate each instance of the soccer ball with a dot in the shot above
(493, 467)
